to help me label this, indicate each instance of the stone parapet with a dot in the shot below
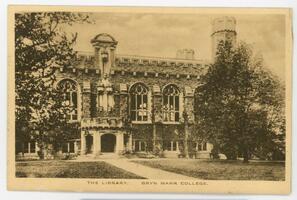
(145, 65)
(102, 123)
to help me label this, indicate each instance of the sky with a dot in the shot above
(161, 35)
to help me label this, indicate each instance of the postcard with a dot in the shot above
(149, 99)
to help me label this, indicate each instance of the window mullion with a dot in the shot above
(142, 109)
(136, 108)
(168, 108)
(70, 103)
(173, 108)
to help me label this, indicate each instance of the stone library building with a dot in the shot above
(135, 104)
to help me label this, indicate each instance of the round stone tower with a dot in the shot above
(223, 29)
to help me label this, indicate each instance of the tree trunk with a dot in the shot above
(230, 151)
(155, 150)
(154, 139)
(186, 149)
(41, 153)
(245, 155)
(215, 152)
(41, 147)
(231, 157)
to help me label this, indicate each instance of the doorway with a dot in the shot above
(108, 143)
(89, 144)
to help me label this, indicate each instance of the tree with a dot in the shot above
(239, 105)
(41, 47)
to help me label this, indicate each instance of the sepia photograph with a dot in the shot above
(149, 99)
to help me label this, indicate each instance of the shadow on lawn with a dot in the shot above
(221, 169)
(67, 169)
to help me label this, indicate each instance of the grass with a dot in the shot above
(221, 170)
(67, 169)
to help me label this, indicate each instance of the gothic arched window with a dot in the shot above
(139, 102)
(69, 89)
(171, 104)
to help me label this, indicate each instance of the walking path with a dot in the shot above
(146, 172)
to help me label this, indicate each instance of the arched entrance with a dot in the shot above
(89, 144)
(108, 143)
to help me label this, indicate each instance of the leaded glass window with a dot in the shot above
(171, 104)
(69, 89)
(139, 102)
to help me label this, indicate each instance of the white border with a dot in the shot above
(4, 194)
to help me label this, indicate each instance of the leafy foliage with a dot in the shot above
(240, 106)
(41, 47)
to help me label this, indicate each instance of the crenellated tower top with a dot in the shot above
(223, 29)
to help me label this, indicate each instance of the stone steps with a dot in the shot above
(101, 156)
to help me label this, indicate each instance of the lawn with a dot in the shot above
(221, 170)
(67, 169)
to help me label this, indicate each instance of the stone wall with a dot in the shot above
(122, 80)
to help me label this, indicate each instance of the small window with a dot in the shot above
(30, 147)
(140, 145)
(204, 146)
(26, 147)
(93, 105)
(174, 146)
(170, 145)
(201, 146)
(68, 147)
(71, 147)
(167, 145)
(65, 148)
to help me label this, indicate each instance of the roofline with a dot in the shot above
(89, 53)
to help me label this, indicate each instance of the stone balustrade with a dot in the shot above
(102, 123)
(86, 59)
(156, 61)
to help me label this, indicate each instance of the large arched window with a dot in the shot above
(171, 104)
(69, 89)
(139, 102)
